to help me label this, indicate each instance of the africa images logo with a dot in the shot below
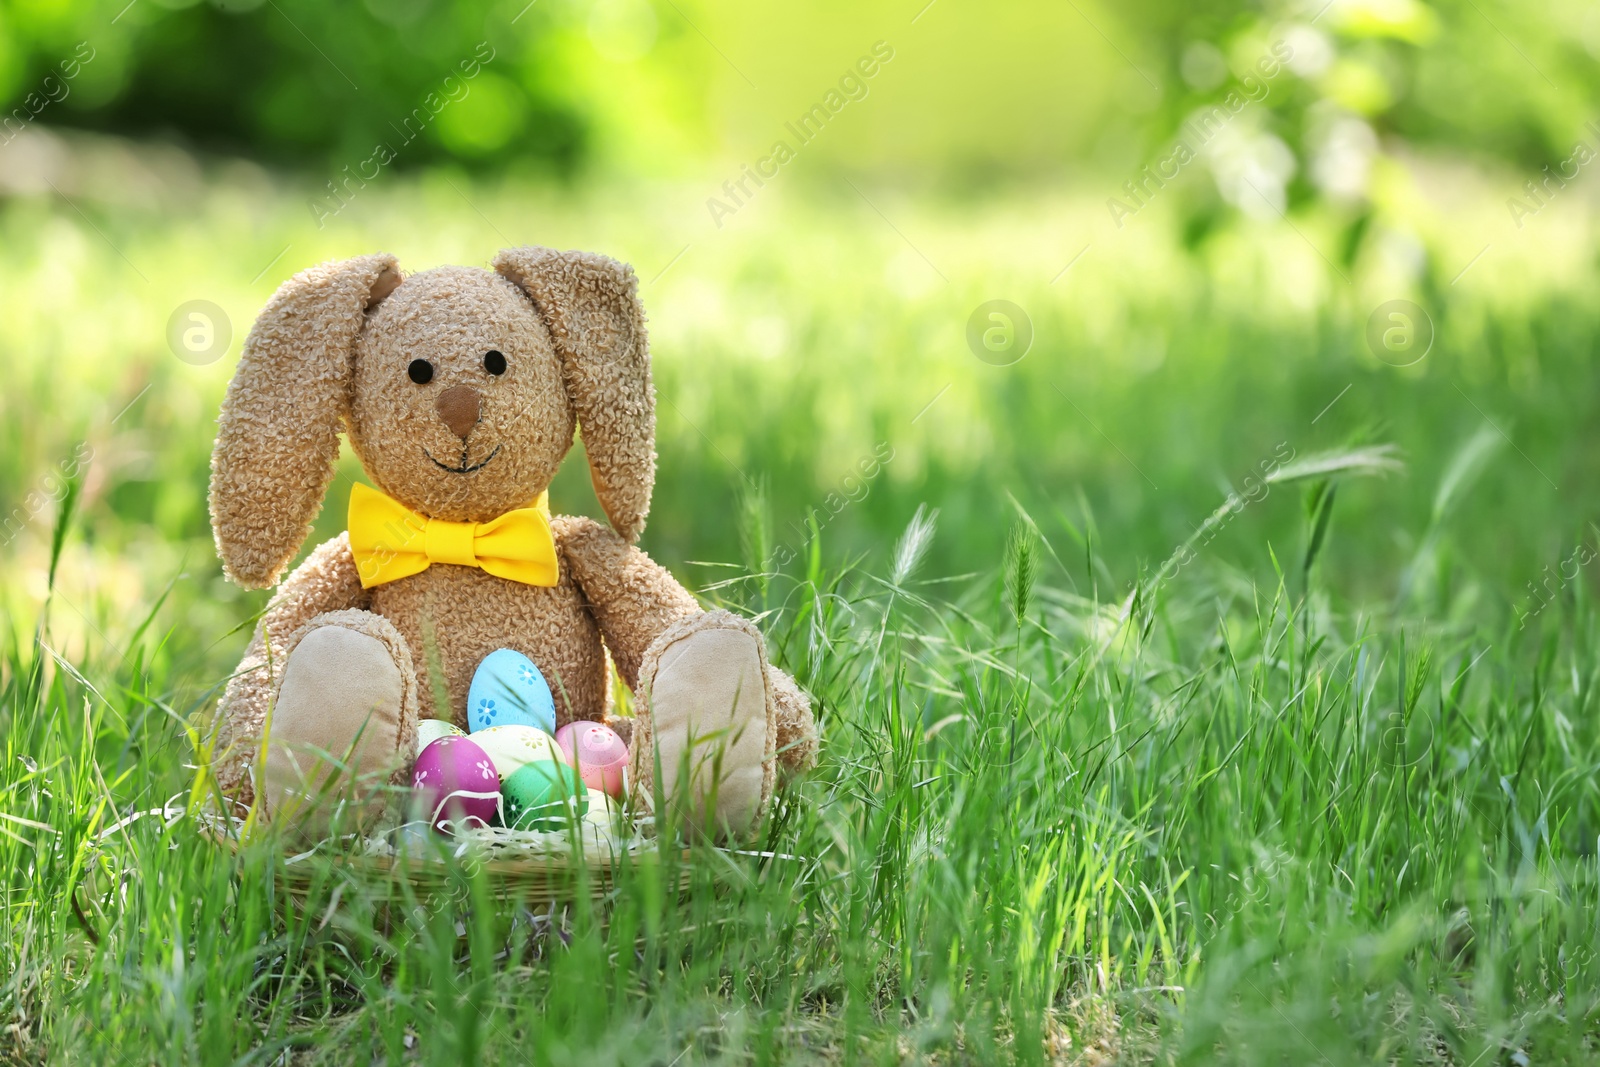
(1196, 132)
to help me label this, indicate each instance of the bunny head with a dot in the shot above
(459, 388)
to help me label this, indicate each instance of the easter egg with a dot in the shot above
(598, 753)
(456, 782)
(508, 690)
(544, 795)
(430, 730)
(513, 747)
(602, 810)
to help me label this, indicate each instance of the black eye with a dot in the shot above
(421, 371)
(494, 362)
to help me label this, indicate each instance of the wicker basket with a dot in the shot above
(531, 880)
(531, 868)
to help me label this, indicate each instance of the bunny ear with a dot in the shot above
(279, 430)
(591, 306)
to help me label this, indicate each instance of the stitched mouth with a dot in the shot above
(465, 467)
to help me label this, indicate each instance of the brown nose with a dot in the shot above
(458, 407)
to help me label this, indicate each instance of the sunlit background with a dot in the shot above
(1198, 208)
(1221, 240)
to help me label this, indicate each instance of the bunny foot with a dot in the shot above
(707, 725)
(342, 725)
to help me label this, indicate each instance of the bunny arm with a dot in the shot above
(326, 581)
(634, 599)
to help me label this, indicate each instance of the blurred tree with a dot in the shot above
(1362, 79)
(302, 81)
(654, 85)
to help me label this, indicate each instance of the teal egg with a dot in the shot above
(508, 690)
(545, 795)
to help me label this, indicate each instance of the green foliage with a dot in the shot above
(1021, 570)
(1176, 846)
(308, 83)
(1335, 91)
(1064, 810)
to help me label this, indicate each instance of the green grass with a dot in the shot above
(1314, 795)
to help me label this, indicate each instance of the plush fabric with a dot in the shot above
(517, 359)
(632, 597)
(344, 717)
(390, 541)
(796, 727)
(278, 434)
(711, 717)
(597, 325)
(326, 581)
(467, 613)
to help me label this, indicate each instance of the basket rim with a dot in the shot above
(536, 877)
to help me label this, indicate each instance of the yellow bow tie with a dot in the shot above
(391, 541)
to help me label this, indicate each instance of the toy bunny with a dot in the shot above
(459, 389)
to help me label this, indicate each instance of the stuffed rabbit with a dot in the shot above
(459, 390)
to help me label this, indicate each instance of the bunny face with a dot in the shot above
(459, 389)
(458, 406)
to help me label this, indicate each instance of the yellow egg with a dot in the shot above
(602, 810)
(430, 730)
(511, 748)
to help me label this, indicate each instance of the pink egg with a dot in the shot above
(456, 782)
(598, 753)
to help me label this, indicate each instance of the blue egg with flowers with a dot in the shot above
(508, 690)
